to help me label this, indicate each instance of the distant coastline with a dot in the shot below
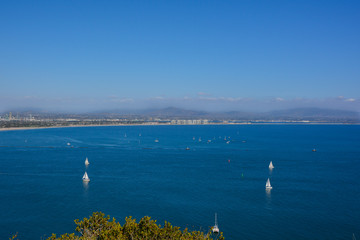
(167, 124)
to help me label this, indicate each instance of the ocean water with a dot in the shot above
(315, 195)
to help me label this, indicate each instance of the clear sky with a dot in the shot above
(212, 55)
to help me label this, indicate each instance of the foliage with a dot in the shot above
(99, 227)
(14, 237)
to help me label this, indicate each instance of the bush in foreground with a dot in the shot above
(100, 227)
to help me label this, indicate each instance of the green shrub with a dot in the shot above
(99, 227)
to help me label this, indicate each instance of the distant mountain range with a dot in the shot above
(314, 113)
(298, 114)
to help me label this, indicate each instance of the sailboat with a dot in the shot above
(268, 185)
(271, 166)
(215, 228)
(86, 178)
(87, 162)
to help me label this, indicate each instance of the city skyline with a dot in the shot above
(250, 56)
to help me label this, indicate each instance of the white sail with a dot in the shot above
(271, 166)
(86, 178)
(215, 229)
(268, 185)
(87, 161)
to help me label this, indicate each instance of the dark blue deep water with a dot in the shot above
(315, 195)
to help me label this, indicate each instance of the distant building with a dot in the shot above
(189, 121)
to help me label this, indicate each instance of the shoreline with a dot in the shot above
(165, 124)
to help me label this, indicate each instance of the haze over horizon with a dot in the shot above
(212, 55)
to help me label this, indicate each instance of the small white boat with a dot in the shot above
(271, 166)
(86, 178)
(156, 140)
(268, 185)
(86, 162)
(215, 228)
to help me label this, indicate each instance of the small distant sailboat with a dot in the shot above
(86, 178)
(86, 162)
(215, 228)
(271, 166)
(268, 185)
(156, 140)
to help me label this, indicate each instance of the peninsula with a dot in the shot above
(173, 116)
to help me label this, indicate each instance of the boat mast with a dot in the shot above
(216, 224)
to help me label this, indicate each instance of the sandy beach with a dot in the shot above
(33, 128)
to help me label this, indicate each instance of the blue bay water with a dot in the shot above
(315, 195)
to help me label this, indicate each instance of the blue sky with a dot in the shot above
(212, 55)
